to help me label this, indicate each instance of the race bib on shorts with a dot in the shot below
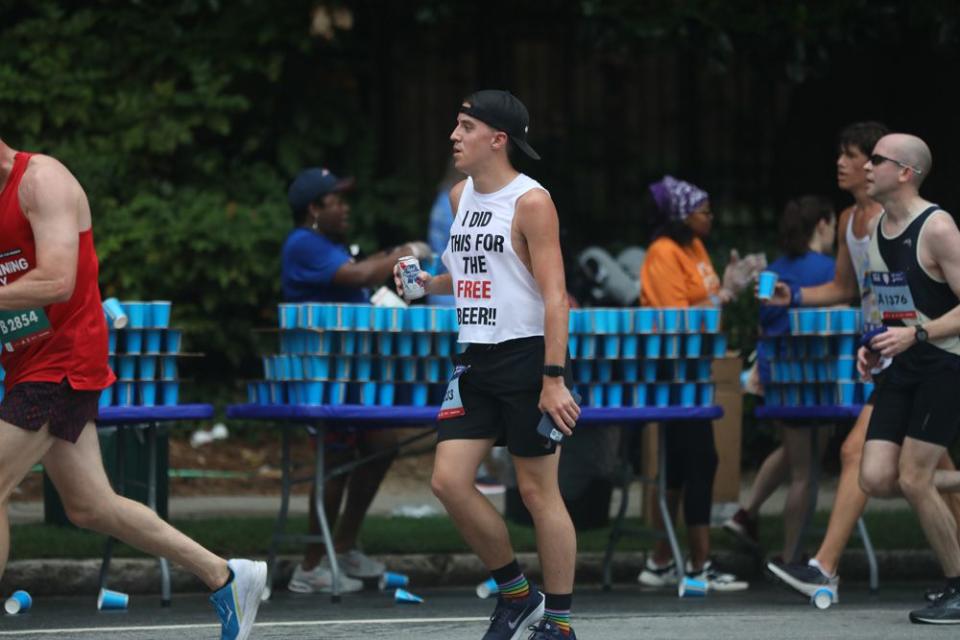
(452, 406)
(20, 328)
(892, 295)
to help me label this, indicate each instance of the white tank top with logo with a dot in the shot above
(497, 298)
(860, 257)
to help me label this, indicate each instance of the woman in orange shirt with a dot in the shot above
(677, 272)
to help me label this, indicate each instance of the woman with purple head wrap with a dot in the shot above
(677, 272)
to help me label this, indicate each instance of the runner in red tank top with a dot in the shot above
(53, 339)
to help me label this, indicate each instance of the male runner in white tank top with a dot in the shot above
(506, 273)
(856, 141)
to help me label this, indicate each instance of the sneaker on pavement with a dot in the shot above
(320, 580)
(654, 575)
(547, 631)
(717, 580)
(237, 601)
(357, 564)
(944, 610)
(744, 528)
(510, 620)
(806, 578)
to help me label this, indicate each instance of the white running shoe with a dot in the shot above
(717, 580)
(238, 601)
(654, 575)
(356, 564)
(320, 580)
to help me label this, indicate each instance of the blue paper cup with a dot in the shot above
(137, 314)
(670, 320)
(639, 395)
(845, 392)
(650, 371)
(688, 394)
(573, 345)
(388, 370)
(278, 393)
(711, 320)
(126, 394)
(133, 342)
(420, 395)
(171, 393)
(692, 345)
(791, 395)
(671, 346)
(312, 392)
(794, 319)
(296, 368)
(148, 367)
(432, 370)
(423, 344)
(624, 321)
(867, 390)
(160, 314)
(112, 342)
(363, 368)
(644, 320)
(346, 316)
(174, 341)
(631, 370)
(588, 347)
(604, 370)
(705, 394)
(628, 345)
(385, 395)
(693, 320)
(651, 346)
(766, 283)
(719, 345)
(846, 345)
(703, 369)
(573, 321)
(809, 395)
(128, 367)
(808, 321)
(583, 371)
(611, 346)
(390, 580)
(385, 344)
(116, 316)
(18, 602)
(846, 368)
(168, 368)
(614, 395)
(112, 600)
(148, 394)
(405, 344)
(821, 321)
(692, 588)
(417, 318)
(402, 596)
(263, 393)
(810, 371)
(363, 317)
(601, 320)
(596, 396)
(287, 316)
(106, 397)
(408, 370)
(368, 394)
(661, 395)
(487, 588)
(153, 342)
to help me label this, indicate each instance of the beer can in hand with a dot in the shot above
(409, 270)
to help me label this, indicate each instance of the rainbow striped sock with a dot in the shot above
(558, 618)
(516, 589)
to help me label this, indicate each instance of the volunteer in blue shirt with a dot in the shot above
(808, 230)
(318, 267)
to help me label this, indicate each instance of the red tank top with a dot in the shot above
(75, 347)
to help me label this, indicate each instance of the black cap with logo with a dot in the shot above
(504, 112)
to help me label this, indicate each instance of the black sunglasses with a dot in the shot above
(876, 160)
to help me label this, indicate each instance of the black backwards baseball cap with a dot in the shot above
(504, 112)
(312, 184)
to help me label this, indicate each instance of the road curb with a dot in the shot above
(142, 576)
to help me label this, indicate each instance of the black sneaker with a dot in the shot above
(944, 610)
(806, 578)
(932, 595)
(547, 631)
(512, 618)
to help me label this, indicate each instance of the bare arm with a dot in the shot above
(844, 287)
(51, 199)
(538, 224)
(377, 268)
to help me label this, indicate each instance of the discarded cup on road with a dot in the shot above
(18, 602)
(822, 598)
(112, 600)
(487, 588)
(391, 580)
(402, 596)
(692, 588)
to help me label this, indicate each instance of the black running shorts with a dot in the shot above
(924, 408)
(30, 405)
(500, 394)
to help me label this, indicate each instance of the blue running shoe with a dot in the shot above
(511, 619)
(548, 631)
(237, 602)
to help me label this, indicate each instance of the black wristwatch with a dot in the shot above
(553, 370)
(920, 333)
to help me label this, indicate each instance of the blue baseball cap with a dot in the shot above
(312, 184)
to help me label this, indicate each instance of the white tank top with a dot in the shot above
(859, 253)
(497, 298)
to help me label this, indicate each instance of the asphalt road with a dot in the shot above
(766, 611)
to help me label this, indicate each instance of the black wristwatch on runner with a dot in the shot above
(553, 370)
(920, 333)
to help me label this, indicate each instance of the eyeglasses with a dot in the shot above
(876, 160)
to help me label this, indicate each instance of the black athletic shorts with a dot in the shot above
(500, 394)
(923, 407)
(30, 405)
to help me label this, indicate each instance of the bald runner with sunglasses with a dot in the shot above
(914, 272)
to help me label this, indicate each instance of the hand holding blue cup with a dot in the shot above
(766, 283)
